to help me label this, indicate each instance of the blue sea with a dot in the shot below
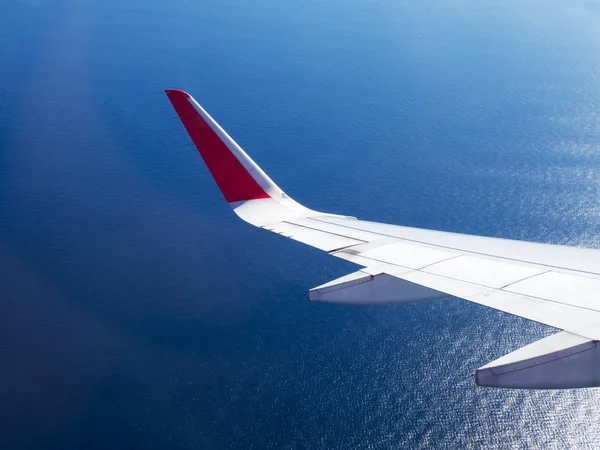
(138, 312)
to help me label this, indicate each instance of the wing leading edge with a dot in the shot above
(554, 285)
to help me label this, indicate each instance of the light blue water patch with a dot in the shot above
(138, 311)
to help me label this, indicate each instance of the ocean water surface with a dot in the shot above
(136, 310)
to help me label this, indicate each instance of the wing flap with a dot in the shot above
(408, 255)
(561, 287)
(563, 316)
(488, 272)
(316, 238)
(553, 257)
(316, 224)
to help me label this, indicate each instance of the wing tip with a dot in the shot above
(175, 92)
(236, 174)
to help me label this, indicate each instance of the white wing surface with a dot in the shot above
(551, 284)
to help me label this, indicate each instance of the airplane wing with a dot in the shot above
(555, 285)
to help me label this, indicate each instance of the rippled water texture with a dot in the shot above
(136, 310)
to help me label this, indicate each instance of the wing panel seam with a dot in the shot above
(362, 241)
(523, 279)
(492, 289)
(471, 252)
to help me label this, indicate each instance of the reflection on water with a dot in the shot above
(137, 311)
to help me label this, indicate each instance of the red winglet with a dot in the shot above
(235, 182)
